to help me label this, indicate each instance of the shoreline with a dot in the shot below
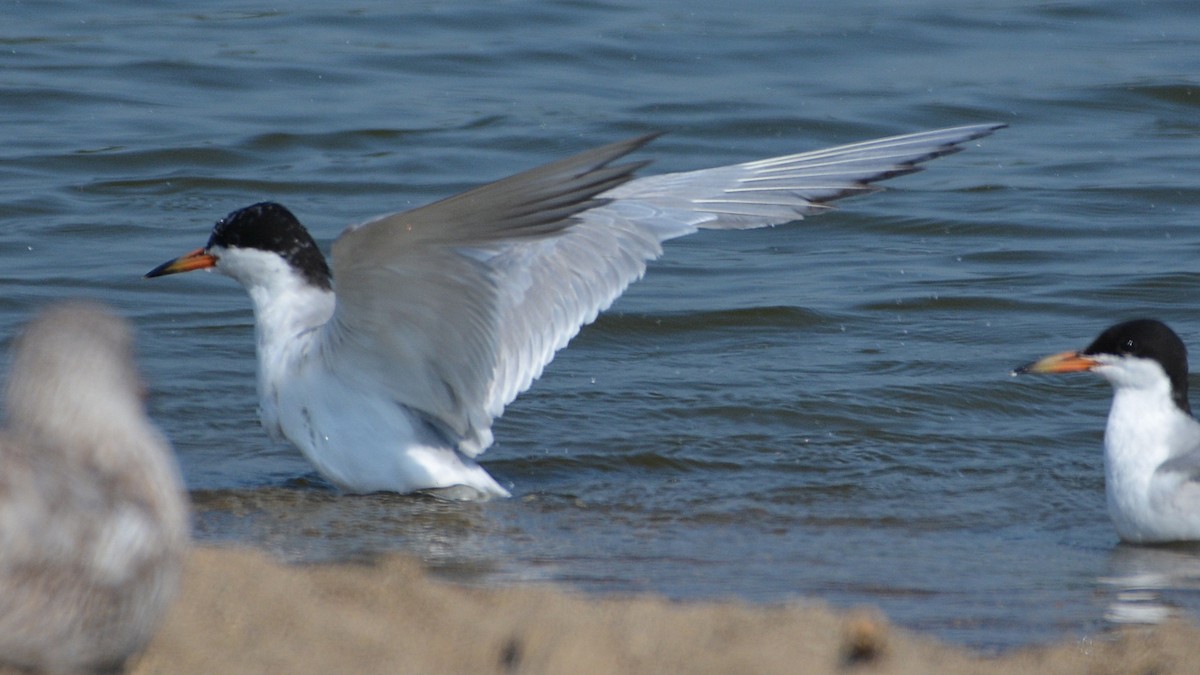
(241, 611)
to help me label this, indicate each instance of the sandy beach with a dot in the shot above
(241, 612)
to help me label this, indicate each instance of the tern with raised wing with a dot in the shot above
(388, 370)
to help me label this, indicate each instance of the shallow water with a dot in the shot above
(820, 410)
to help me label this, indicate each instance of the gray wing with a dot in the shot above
(783, 189)
(456, 307)
(420, 308)
(1186, 463)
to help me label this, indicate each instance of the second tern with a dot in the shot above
(1152, 441)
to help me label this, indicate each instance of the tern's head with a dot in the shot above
(1138, 354)
(261, 239)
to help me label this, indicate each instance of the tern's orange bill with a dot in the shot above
(1066, 362)
(196, 260)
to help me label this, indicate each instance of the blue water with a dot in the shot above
(819, 410)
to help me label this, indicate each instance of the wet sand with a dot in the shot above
(241, 612)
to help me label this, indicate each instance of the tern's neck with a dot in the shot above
(1145, 428)
(285, 308)
(286, 304)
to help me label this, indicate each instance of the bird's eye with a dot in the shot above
(1130, 346)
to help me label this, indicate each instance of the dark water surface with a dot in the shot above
(820, 410)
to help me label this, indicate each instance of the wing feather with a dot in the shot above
(456, 307)
(418, 310)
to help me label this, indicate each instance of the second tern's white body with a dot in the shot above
(1151, 456)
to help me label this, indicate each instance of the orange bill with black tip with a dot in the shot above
(196, 260)
(1066, 362)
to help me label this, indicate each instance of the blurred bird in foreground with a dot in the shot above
(93, 517)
